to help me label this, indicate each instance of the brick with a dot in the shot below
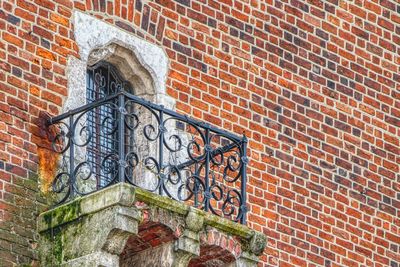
(385, 24)
(234, 22)
(392, 120)
(227, 77)
(197, 16)
(18, 62)
(45, 54)
(182, 49)
(59, 19)
(312, 83)
(12, 39)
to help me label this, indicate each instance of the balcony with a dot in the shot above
(122, 138)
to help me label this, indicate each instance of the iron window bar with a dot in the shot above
(189, 160)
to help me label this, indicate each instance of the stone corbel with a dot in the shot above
(251, 250)
(93, 230)
(188, 245)
(89, 231)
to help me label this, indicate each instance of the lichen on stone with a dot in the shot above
(63, 214)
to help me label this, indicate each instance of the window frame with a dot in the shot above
(103, 80)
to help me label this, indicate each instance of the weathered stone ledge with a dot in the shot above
(121, 194)
(125, 195)
(101, 223)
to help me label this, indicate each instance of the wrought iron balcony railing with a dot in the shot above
(123, 138)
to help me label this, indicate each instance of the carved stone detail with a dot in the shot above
(258, 243)
(194, 220)
(188, 245)
(143, 63)
(93, 231)
(251, 249)
(94, 227)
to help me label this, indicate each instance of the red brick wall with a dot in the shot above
(314, 84)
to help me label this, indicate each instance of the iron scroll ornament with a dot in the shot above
(176, 156)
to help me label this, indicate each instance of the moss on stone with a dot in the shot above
(52, 250)
(121, 194)
(62, 214)
(58, 247)
(164, 202)
(161, 201)
(228, 226)
(62, 229)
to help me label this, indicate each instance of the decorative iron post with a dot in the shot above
(161, 151)
(244, 159)
(121, 137)
(207, 194)
(71, 134)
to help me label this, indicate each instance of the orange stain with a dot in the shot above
(48, 163)
(48, 159)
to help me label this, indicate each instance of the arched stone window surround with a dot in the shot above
(142, 63)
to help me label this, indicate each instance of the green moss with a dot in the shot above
(228, 226)
(63, 214)
(57, 250)
(182, 208)
(161, 201)
(52, 250)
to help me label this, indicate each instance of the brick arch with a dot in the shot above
(163, 217)
(150, 235)
(216, 249)
(156, 235)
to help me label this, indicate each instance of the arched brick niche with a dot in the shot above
(216, 249)
(213, 256)
(154, 243)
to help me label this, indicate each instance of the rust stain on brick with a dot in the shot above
(48, 161)
(48, 158)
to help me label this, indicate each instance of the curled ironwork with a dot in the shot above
(120, 137)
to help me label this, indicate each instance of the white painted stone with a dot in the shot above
(92, 33)
(76, 76)
(98, 40)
